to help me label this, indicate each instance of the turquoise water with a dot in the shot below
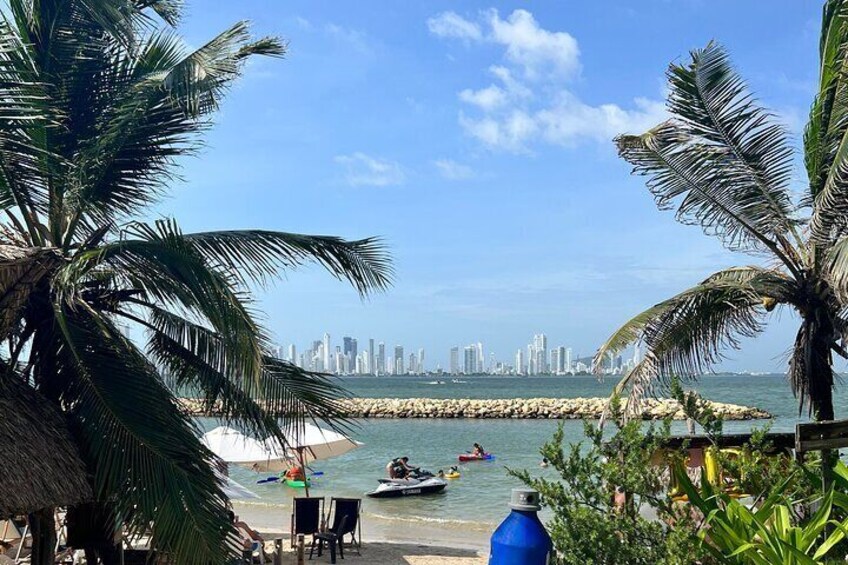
(478, 500)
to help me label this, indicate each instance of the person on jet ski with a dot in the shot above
(399, 468)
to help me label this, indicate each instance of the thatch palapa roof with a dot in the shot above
(21, 268)
(40, 466)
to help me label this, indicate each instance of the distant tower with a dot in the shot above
(481, 359)
(519, 362)
(421, 369)
(327, 353)
(568, 365)
(554, 360)
(381, 358)
(371, 367)
(292, 354)
(470, 360)
(454, 361)
(399, 360)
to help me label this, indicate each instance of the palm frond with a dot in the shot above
(688, 334)
(166, 269)
(258, 254)
(723, 155)
(682, 168)
(199, 360)
(151, 113)
(150, 465)
(826, 127)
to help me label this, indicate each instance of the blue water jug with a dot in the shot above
(521, 539)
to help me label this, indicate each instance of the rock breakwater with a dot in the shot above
(516, 408)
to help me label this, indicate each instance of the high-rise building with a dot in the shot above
(421, 369)
(349, 348)
(469, 365)
(568, 366)
(381, 358)
(454, 361)
(412, 368)
(371, 367)
(519, 362)
(481, 359)
(554, 360)
(562, 360)
(327, 353)
(399, 360)
(292, 357)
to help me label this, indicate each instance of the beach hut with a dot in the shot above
(41, 465)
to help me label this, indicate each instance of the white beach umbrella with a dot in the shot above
(233, 446)
(308, 442)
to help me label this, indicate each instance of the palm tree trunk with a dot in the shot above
(819, 367)
(43, 527)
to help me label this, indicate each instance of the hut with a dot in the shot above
(40, 466)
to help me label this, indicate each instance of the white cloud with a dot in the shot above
(452, 170)
(364, 170)
(451, 24)
(537, 50)
(530, 100)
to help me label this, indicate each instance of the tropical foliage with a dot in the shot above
(99, 100)
(605, 496)
(777, 530)
(724, 163)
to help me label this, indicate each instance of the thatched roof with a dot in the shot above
(21, 268)
(39, 463)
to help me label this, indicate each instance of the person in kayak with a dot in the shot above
(295, 474)
(478, 450)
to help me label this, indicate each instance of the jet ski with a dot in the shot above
(395, 488)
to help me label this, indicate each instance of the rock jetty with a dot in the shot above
(517, 408)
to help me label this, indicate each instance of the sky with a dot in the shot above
(475, 138)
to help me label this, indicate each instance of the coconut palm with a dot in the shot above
(723, 163)
(98, 100)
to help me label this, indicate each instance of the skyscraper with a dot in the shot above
(470, 360)
(420, 369)
(350, 347)
(381, 359)
(327, 353)
(454, 361)
(519, 362)
(292, 357)
(371, 367)
(399, 360)
(481, 359)
(412, 368)
(564, 360)
(554, 360)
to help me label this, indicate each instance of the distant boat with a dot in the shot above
(459, 382)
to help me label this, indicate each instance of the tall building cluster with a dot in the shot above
(536, 358)
(348, 359)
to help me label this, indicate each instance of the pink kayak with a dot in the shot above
(472, 457)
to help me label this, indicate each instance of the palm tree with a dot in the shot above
(98, 100)
(724, 164)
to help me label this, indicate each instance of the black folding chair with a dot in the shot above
(333, 539)
(349, 508)
(307, 516)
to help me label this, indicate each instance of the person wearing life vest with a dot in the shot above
(295, 474)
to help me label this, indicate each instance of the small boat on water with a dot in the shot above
(396, 488)
(454, 475)
(465, 457)
(298, 484)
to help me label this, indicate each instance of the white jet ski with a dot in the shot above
(394, 488)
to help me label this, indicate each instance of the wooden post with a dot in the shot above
(278, 551)
(300, 549)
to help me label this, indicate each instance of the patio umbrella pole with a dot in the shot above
(303, 470)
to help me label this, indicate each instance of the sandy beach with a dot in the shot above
(388, 544)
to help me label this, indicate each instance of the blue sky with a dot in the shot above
(477, 141)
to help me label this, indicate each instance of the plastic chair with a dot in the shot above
(332, 538)
(307, 516)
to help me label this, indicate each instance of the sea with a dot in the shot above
(474, 504)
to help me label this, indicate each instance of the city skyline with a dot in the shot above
(496, 230)
(346, 358)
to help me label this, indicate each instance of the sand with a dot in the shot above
(389, 553)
